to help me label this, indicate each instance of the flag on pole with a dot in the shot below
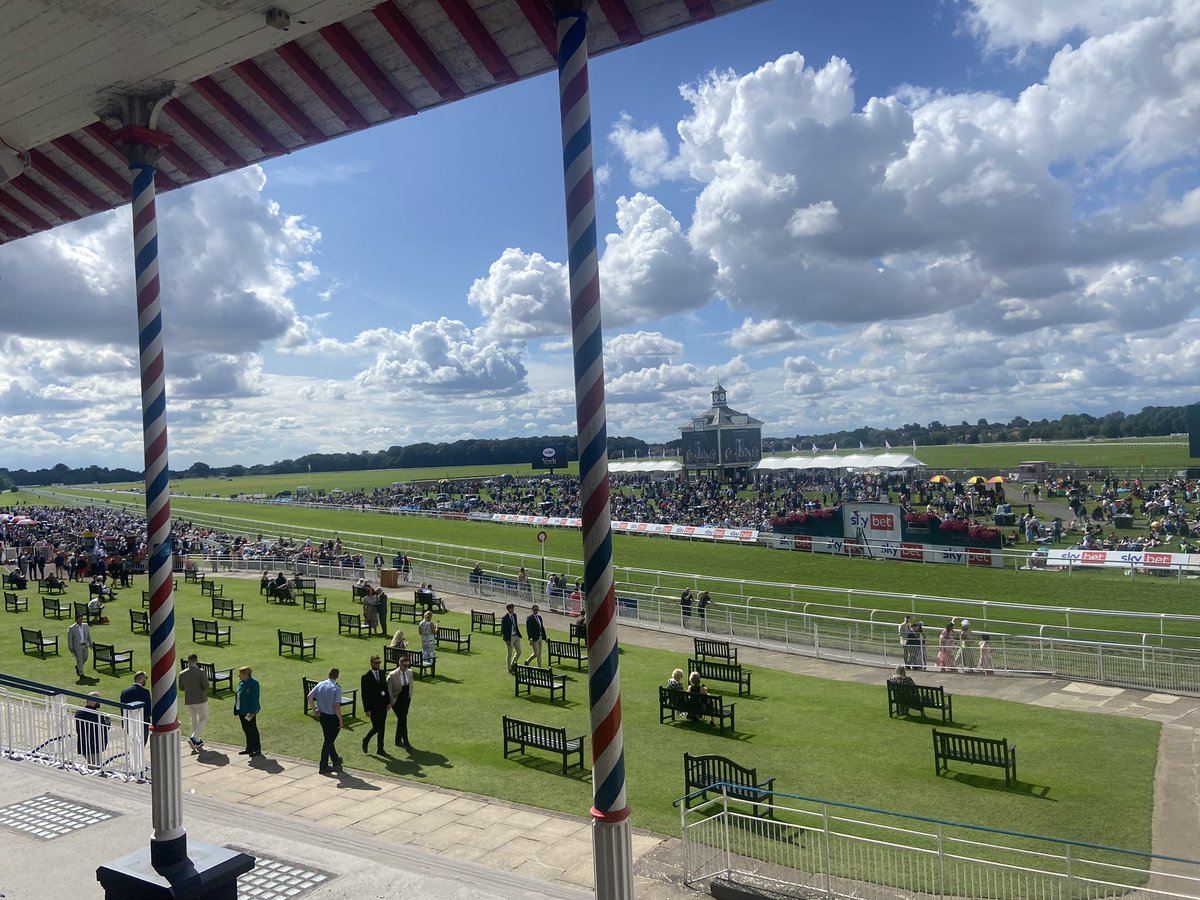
(814, 448)
(914, 446)
(834, 449)
(860, 446)
(887, 446)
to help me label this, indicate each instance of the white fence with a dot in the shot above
(816, 848)
(52, 726)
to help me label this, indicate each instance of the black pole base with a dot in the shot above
(211, 873)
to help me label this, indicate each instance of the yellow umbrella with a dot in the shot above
(976, 479)
(997, 479)
(941, 479)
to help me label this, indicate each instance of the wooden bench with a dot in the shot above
(352, 623)
(979, 751)
(54, 609)
(81, 609)
(223, 606)
(32, 637)
(273, 594)
(904, 697)
(579, 632)
(710, 649)
(313, 602)
(111, 658)
(712, 774)
(349, 697)
(448, 635)
(696, 707)
(481, 619)
(193, 576)
(44, 588)
(296, 642)
(429, 600)
(402, 612)
(218, 679)
(145, 599)
(712, 670)
(139, 620)
(13, 603)
(542, 737)
(531, 677)
(357, 592)
(305, 583)
(560, 650)
(12, 580)
(211, 589)
(416, 661)
(211, 628)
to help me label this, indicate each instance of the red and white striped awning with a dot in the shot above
(246, 91)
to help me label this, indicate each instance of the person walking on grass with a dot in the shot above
(400, 688)
(510, 632)
(373, 688)
(79, 642)
(325, 700)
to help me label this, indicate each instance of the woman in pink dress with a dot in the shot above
(946, 647)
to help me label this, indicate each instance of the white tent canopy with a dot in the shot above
(646, 465)
(856, 461)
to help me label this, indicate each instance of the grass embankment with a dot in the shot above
(1083, 776)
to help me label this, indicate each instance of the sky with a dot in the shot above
(860, 213)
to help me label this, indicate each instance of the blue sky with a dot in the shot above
(857, 213)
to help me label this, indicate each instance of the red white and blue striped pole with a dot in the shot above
(611, 837)
(168, 843)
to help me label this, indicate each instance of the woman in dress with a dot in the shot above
(370, 605)
(398, 640)
(946, 646)
(428, 629)
(985, 654)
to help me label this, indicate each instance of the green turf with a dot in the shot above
(1084, 776)
(513, 546)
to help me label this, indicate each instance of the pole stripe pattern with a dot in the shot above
(164, 703)
(604, 684)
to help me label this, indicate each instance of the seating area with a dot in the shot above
(979, 751)
(579, 632)
(710, 649)
(226, 608)
(313, 602)
(453, 636)
(211, 629)
(349, 697)
(33, 639)
(399, 611)
(295, 643)
(53, 608)
(530, 677)
(45, 587)
(519, 734)
(416, 661)
(139, 621)
(694, 707)
(109, 657)
(556, 651)
(711, 774)
(218, 679)
(713, 670)
(351, 624)
(903, 698)
(13, 603)
(211, 589)
(81, 609)
(481, 619)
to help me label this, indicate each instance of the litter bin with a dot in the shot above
(389, 578)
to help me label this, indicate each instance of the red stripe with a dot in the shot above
(143, 217)
(156, 449)
(603, 616)
(44, 166)
(480, 39)
(576, 88)
(19, 210)
(622, 21)
(606, 732)
(148, 295)
(174, 726)
(409, 40)
(359, 62)
(612, 817)
(321, 85)
(580, 196)
(699, 10)
(537, 12)
(595, 504)
(165, 666)
(236, 116)
(589, 294)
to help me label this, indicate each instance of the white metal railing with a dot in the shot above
(821, 848)
(51, 725)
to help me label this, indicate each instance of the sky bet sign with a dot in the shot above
(877, 524)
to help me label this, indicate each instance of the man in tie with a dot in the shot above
(536, 632)
(400, 687)
(373, 689)
(510, 630)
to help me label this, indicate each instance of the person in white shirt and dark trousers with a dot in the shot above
(399, 689)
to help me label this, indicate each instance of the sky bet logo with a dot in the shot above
(882, 522)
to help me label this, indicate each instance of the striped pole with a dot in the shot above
(168, 843)
(611, 836)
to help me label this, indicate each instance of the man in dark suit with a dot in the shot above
(136, 694)
(536, 632)
(373, 690)
(510, 630)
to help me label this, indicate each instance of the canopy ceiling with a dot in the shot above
(244, 91)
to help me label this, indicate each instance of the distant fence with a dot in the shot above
(820, 848)
(49, 725)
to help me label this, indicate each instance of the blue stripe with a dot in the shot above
(161, 555)
(164, 704)
(580, 141)
(163, 631)
(573, 39)
(149, 333)
(146, 255)
(143, 177)
(586, 354)
(602, 676)
(157, 408)
(594, 568)
(606, 794)
(154, 490)
(583, 247)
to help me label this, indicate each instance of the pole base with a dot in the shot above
(211, 873)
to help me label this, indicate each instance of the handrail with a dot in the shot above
(46, 690)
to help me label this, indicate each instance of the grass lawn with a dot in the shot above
(1083, 776)
(512, 546)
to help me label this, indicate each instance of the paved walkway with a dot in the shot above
(443, 843)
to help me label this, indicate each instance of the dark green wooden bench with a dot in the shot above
(203, 629)
(111, 658)
(481, 619)
(54, 609)
(352, 624)
(519, 734)
(349, 697)
(560, 650)
(416, 661)
(296, 643)
(448, 635)
(713, 670)
(979, 751)
(712, 774)
(139, 620)
(706, 648)
(13, 603)
(905, 697)
(531, 677)
(223, 606)
(32, 637)
(697, 707)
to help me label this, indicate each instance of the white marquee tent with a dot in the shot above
(856, 461)
(646, 465)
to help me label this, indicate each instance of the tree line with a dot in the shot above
(1151, 421)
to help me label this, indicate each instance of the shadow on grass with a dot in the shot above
(446, 678)
(705, 727)
(564, 703)
(996, 783)
(553, 767)
(925, 719)
(416, 763)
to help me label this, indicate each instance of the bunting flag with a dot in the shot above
(860, 446)
(794, 450)
(887, 446)
(814, 448)
(834, 449)
(914, 446)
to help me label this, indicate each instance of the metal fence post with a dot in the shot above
(941, 865)
(725, 829)
(825, 854)
(1070, 877)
